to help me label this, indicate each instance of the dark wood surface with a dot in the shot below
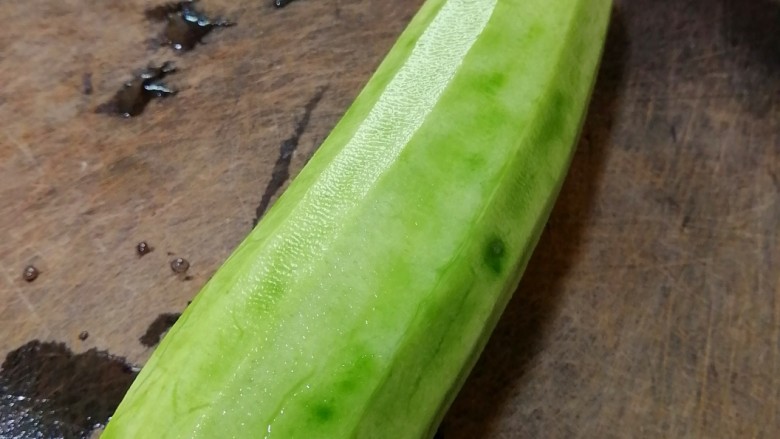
(651, 307)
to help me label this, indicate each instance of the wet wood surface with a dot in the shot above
(651, 307)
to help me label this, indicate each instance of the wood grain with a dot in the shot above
(650, 309)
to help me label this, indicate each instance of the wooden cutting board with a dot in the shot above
(651, 307)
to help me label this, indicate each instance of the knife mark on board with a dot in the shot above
(281, 171)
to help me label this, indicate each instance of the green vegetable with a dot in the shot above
(360, 302)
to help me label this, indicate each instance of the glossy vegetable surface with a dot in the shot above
(361, 300)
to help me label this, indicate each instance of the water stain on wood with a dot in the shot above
(281, 171)
(185, 24)
(133, 97)
(158, 328)
(47, 391)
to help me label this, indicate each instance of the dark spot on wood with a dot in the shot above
(685, 221)
(48, 391)
(83, 335)
(86, 83)
(180, 265)
(673, 132)
(185, 24)
(281, 171)
(30, 273)
(670, 201)
(494, 254)
(158, 328)
(132, 98)
(712, 372)
(143, 248)
(282, 3)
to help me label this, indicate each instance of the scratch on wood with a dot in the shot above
(686, 133)
(775, 179)
(281, 170)
(669, 319)
(775, 352)
(704, 376)
(24, 148)
(733, 347)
